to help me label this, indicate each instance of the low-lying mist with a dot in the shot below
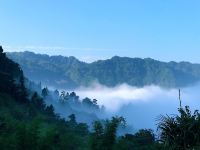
(141, 106)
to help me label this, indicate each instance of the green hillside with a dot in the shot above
(69, 72)
(27, 123)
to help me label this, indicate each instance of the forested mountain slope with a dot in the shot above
(27, 123)
(69, 72)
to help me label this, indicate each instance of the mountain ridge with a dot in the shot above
(69, 72)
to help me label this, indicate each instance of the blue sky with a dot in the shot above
(98, 29)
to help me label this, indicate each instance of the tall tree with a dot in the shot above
(104, 135)
(1, 49)
(180, 131)
(45, 92)
(38, 101)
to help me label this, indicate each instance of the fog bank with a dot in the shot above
(141, 106)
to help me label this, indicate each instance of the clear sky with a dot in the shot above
(98, 29)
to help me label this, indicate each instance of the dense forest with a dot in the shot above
(28, 123)
(69, 72)
(66, 103)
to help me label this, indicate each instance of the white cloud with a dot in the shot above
(141, 106)
(114, 98)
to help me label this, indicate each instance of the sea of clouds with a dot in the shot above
(141, 106)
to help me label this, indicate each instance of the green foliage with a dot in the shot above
(37, 101)
(85, 104)
(22, 130)
(180, 131)
(11, 78)
(97, 136)
(142, 140)
(27, 123)
(104, 135)
(145, 137)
